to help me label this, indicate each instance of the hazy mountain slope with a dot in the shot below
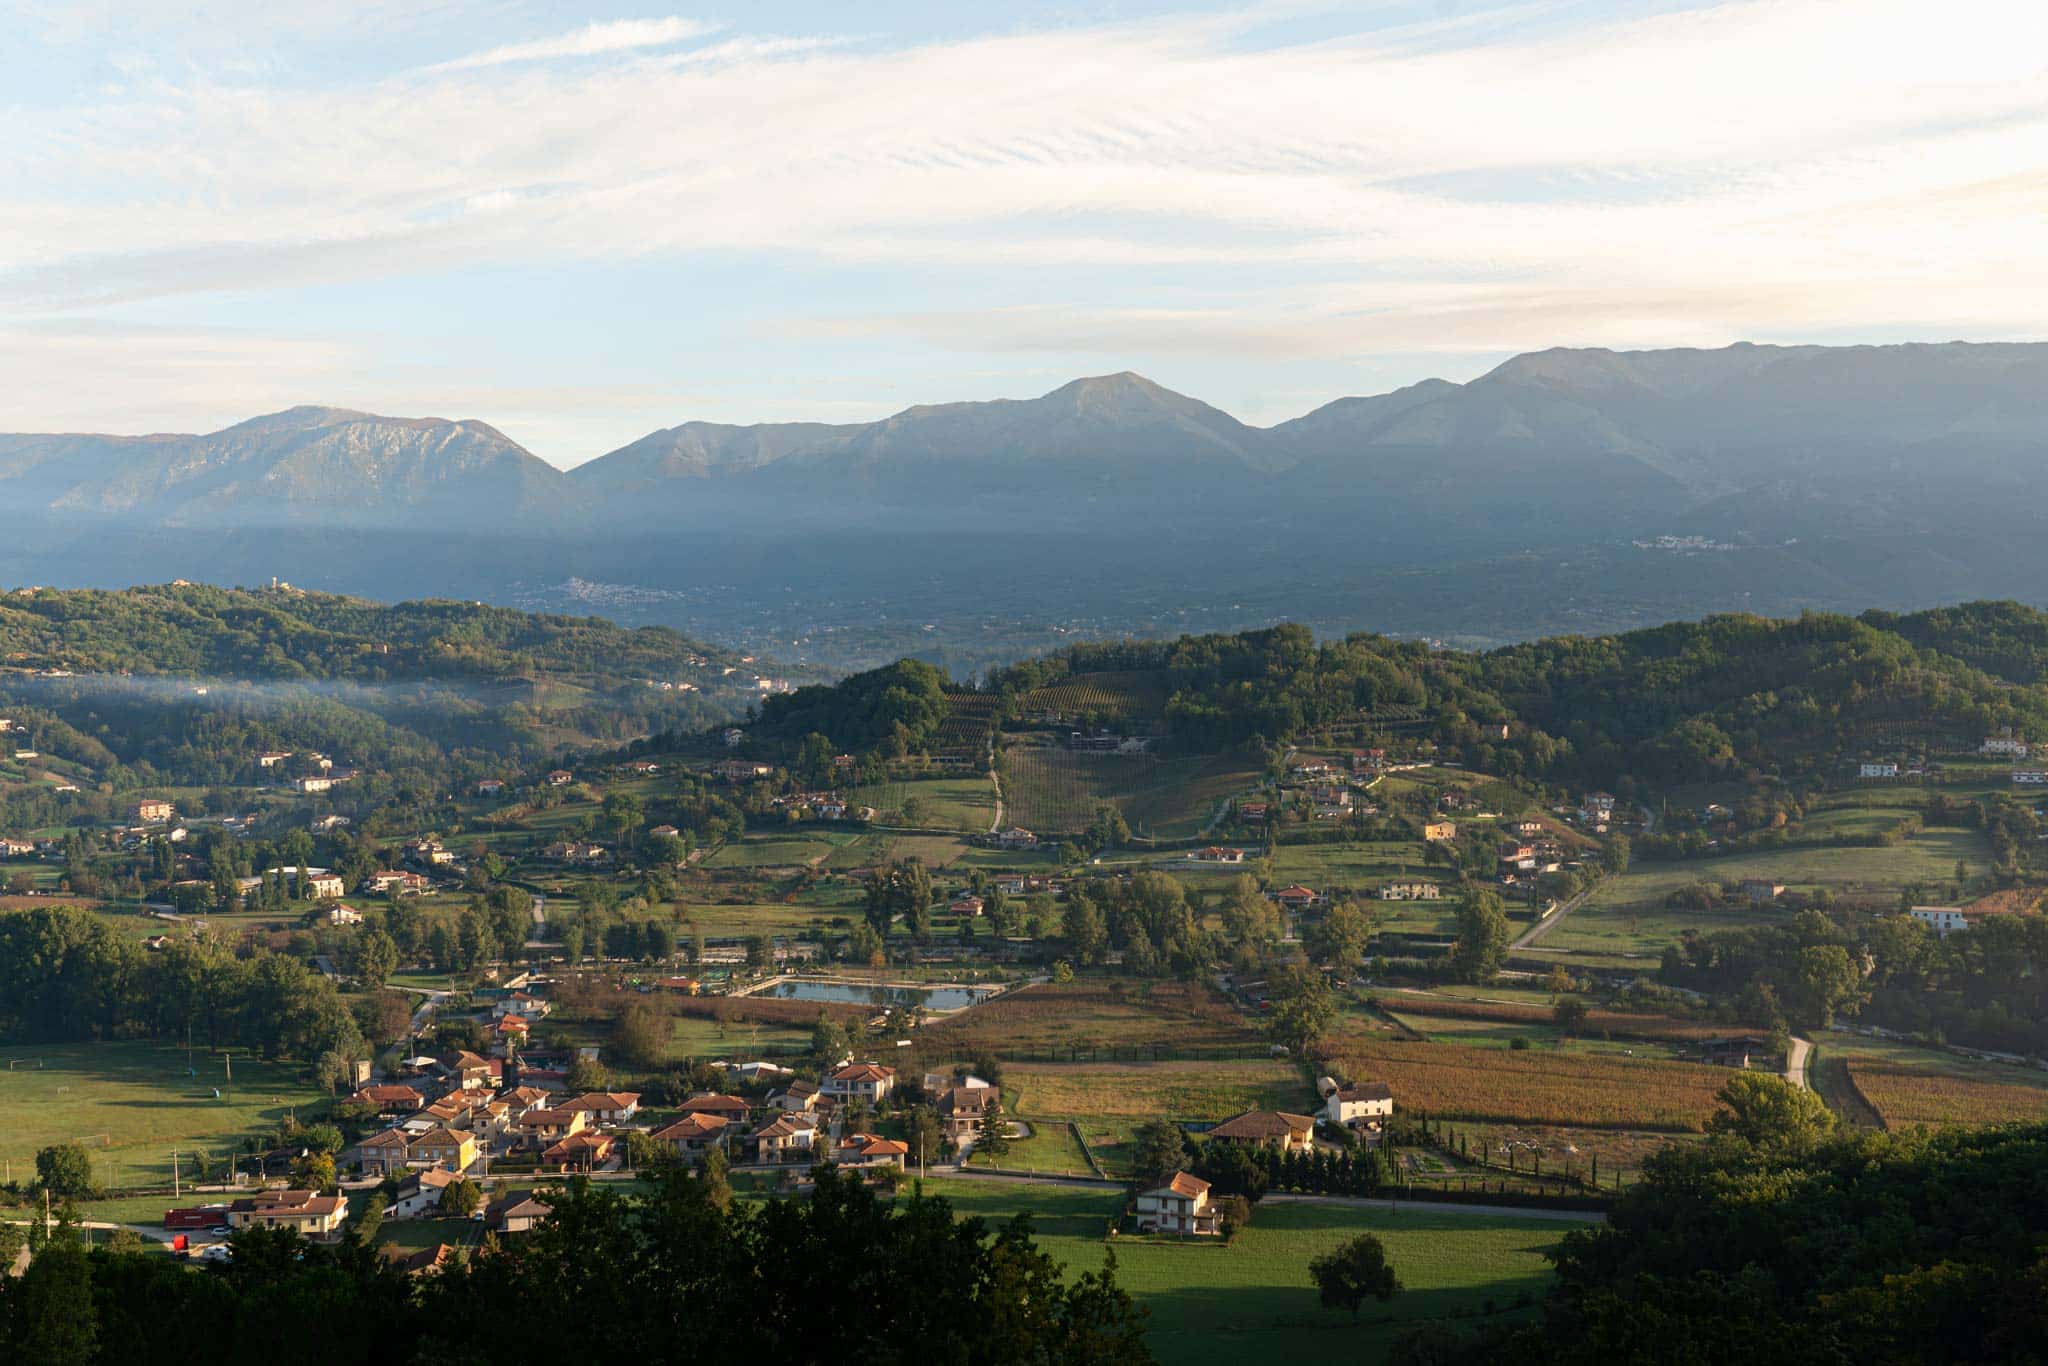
(700, 450)
(305, 466)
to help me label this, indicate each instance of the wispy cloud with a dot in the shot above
(1116, 190)
(592, 40)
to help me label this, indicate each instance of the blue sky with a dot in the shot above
(583, 222)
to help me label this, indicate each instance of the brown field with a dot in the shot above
(1620, 1024)
(1171, 1016)
(1153, 1090)
(1539, 1086)
(1906, 1096)
(1115, 695)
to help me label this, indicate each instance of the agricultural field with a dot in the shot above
(1905, 1086)
(1253, 1299)
(1110, 1100)
(1440, 1010)
(1361, 867)
(774, 917)
(131, 1103)
(792, 849)
(967, 804)
(1109, 1018)
(1057, 791)
(1111, 696)
(1539, 1086)
(1628, 914)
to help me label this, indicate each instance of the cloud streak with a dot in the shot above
(592, 40)
(1120, 190)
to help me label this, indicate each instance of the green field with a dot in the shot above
(1056, 791)
(797, 847)
(1362, 866)
(139, 1096)
(964, 804)
(1627, 914)
(1253, 1299)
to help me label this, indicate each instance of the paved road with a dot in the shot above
(1795, 1063)
(1545, 925)
(426, 1010)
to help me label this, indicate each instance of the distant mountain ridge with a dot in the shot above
(1742, 439)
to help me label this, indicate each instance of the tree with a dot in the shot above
(1481, 948)
(923, 1134)
(828, 1041)
(1160, 1151)
(713, 1180)
(588, 1074)
(1769, 1112)
(53, 1319)
(1302, 1012)
(1569, 1014)
(995, 1127)
(642, 1033)
(314, 1171)
(65, 1169)
(623, 813)
(1354, 1273)
(1338, 941)
(1830, 983)
(461, 1199)
(376, 958)
(1086, 930)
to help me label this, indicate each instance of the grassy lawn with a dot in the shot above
(1358, 866)
(1055, 790)
(140, 1097)
(1253, 1299)
(773, 917)
(1050, 1148)
(702, 1038)
(966, 804)
(775, 850)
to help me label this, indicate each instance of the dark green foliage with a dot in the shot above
(1354, 1273)
(842, 1276)
(896, 709)
(1868, 1247)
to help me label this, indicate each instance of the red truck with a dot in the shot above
(199, 1216)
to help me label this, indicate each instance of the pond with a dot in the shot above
(880, 997)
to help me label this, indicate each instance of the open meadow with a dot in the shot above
(1057, 791)
(1253, 1299)
(1113, 1019)
(1628, 914)
(132, 1103)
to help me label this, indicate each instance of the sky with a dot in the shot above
(580, 223)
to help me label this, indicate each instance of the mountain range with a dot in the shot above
(1557, 434)
(1780, 476)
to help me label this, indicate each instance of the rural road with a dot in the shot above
(1545, 925)
(1795, 1063)
(426, 1010)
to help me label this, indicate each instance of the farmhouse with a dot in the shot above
(319, 783)
(151, 811)
(1881, 769)
(1267, 1129)
(1014, 838)
(1943, 920)
(740, 770)
(1439, 832)
(1411, 891)
(519, 1003)
(393, 884)
(1217, 854)
(490, 787)
(1359, 1107)
(390, 1098)
(319, 882)
(1762, 891)
(2009, 746)
(1179, 1206)
(1254, 811)
(966, 904)
(310, 1213)
(560, 777)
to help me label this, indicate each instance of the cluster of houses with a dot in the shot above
(457, 1115)
(1184, 1206)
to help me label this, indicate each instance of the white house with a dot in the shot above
(2004, 745)
(1179, 1206)
(1878, 770)
(1943, 920)
(1363, 1106)
(420, 1193)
